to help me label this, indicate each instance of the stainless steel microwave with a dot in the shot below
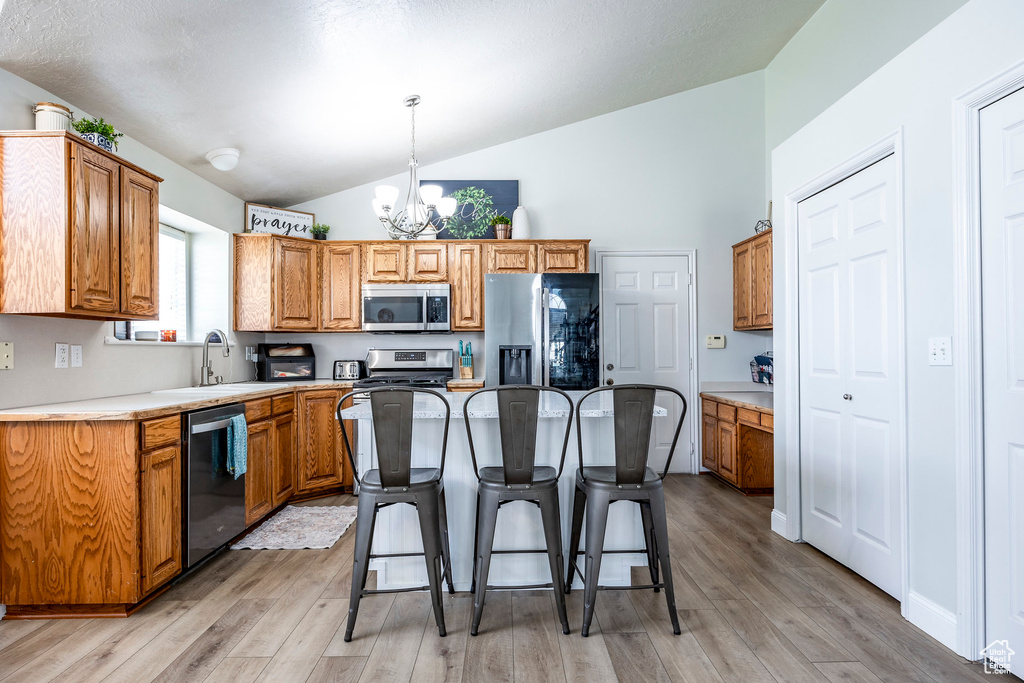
(407, 308)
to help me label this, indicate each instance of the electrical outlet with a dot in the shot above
(76, 355)
(61, 359)
(6, 355)
(939, 351)
(250, 353)
(715, 341)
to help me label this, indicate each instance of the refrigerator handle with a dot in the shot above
(545, 316)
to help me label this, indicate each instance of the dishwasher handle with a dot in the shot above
(211, 426)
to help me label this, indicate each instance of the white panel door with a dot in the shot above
(851, 389)
(1002, 227)
(645, 320)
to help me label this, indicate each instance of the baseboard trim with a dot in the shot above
(779, 522)
(936, 621)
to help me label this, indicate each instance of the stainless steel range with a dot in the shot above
(423, 368)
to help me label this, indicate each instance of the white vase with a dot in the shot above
(520, 224)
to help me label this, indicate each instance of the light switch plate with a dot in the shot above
(715, 341)
(6, 355)
(939, 351)
(61, 356)
(76, 355)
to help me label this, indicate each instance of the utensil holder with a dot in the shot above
(466, 371)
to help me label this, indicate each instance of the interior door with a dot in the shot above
(851, 360)
(645, 335)
(1002, 225)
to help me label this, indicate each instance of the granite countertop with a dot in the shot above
(763, 401)
(159, 403)
(485, 407)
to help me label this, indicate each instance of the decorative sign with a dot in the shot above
(478, 202)
(260, 218)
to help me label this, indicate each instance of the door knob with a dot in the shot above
(609, 381)
(611, 366)
(847, 397)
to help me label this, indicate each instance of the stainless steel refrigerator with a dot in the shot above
(542, 329)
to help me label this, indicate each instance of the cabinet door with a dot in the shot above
(514, 257)
(709, 450)
(295, 285)
(384, 262)
(95, 265)
(140, 236)
(427, 262)
(258, 495)
(319, 456)
(742, 316)
(340, 295)
(161, 517)
(467, 288)
(570, 257)
(728, 466)
(283, 460)
(761, 281)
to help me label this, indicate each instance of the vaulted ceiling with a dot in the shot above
(311, 91)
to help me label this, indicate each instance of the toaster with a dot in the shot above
(349, 369)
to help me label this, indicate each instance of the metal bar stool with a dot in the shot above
(629, 479)
(396, 481)
(518, 478)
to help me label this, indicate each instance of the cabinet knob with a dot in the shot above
(847, 397)
(609, 381)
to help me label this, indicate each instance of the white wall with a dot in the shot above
(914, 91)
(685, 171)
(109, 370)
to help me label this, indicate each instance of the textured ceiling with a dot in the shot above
(311, 91)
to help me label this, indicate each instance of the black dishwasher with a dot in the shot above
(213, 508)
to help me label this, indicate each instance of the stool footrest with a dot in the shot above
(413, 589)
(639, 551)
(516, 552)
(521, 588)
(374, 557)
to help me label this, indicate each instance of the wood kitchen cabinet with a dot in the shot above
(752, 283)
(296, 272)
(427, 262)
(277, 283)
(563, 257)
(284, 458)
(738, 444)
(320, 458)
(340, 295)
(467, 291)
(270, 476)
(259, 498)
(160, 527)
(79, 230)
(384, 262)
(510, 256)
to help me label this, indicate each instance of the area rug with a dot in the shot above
(314, 526)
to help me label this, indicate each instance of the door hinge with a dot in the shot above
(691, 364)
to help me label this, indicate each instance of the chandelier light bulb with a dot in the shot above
(387, 194)
(446, 206)
(430, 194)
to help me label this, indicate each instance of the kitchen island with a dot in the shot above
(519, 524)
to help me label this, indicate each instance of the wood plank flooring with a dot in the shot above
(752, 606)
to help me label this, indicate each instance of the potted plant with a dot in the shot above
(98, 132)
(319, 231)
(502, 227)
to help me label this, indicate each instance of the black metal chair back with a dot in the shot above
(393, 409)
(634, 406)
(518, 408)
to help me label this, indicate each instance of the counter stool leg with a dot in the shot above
(365, 516)
(430, 530)
(597, 522)
(553, 540)
(661, 539)
(476, 544)
(446, 551)
(650, 543)
(485, 542)
(579, 502)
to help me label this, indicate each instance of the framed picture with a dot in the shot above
(262, 218)
(478, 202)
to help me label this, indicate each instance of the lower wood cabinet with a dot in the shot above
(259, 498)
(320, 464)
(738, 445)
(160, 508)
(270, 479)
(284, 458)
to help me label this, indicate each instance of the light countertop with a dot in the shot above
(763, 401)
(159, 403)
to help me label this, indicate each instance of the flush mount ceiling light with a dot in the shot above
(223, 158)
(416, 219)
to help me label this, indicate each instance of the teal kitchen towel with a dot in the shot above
(238, 446)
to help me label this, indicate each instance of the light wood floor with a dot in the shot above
(752, 607)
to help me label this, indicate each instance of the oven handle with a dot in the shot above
(211, 426)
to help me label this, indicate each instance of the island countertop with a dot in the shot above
(763, 401)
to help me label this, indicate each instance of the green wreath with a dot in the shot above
(473, 216)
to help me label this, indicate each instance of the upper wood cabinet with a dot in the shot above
(339, 265)
(563, 257)
(79, 230)
(384, 262)
(752, 283)
(428, 262)
(467, 300)
(511, 257)
(296, 270)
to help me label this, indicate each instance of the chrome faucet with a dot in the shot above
(206, 372)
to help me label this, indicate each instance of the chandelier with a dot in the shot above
(416, 219)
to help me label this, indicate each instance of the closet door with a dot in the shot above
(851, 367)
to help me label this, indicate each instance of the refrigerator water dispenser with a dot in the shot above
(516, 364)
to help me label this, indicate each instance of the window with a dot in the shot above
(174, 285)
